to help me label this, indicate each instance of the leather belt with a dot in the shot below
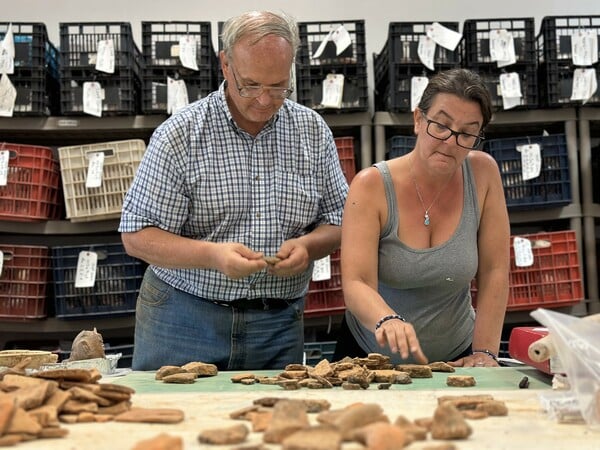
(264, 304)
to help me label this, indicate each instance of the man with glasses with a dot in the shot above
(418, 228)
(236, 196)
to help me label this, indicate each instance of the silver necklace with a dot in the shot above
(426, 220)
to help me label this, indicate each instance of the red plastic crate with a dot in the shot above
(554, 279)
(32, 189)
(326, 297)
(23, 282)
(345, 148)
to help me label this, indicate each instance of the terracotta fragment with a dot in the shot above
(415, 370)
(88, 344)
(381, 436)
(180, 378)
(463, 402)
(46, 415)
(314, 438)
(248, 381)
(115, 409)
(474, 414)
(167, 370)
(234, 434)
(8, 440)
(413, 431)
(7, 410)
(260, 420)
(322, 369)
(493, 408)
(356, 416)
(75, 407)
(83, 395)
(289, 385)
(424, 422)
(201, 369)
(440, 366)
(22, 422)
(460, 380)
(448, 423)
(383, 386)
(288, 416)
(162, 441)
(294, 367)
(81, 375)
(347, 386)
(444, 446)
(242, 376)
(151, 415)
(294, 374)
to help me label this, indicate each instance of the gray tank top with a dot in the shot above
(429, 287)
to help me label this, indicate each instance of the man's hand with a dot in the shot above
(237, 261)
(293, 257)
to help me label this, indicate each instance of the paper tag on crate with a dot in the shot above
(443, 36)
(531, 160)
(342, 40)
(417, 86)
(333, 90)
(584, 47)
(523, 252)
(93, 94)
(187, 52)
(1, 261)
(105, 56)
(584, 84)
(510, 89)
(95, 169)
(8, 96)
(502, 48)
(426, 51)
(4, 157)
(85, 276)
(319, 51)
(7, 52)
(177, 95)
(322, 269)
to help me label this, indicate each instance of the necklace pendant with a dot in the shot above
(426, 221)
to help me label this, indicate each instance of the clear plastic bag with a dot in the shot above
(577, 344)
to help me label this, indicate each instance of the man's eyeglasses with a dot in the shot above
(442, 132)
(255, 91)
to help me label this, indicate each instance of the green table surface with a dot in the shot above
(487, 378)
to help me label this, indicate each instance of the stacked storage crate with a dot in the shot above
(398, 62)
(79, 45)
(319, 58)
(557, 62)
(554, 278)
(486, 40)
(36, 69)
(166, 46)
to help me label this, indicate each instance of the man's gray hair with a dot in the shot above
(259, 24)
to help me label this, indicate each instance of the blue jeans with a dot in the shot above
(173, 327)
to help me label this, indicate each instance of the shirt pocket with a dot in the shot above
(297, 202)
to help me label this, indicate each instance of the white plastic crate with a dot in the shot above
(121, 160)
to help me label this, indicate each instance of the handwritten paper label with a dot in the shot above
(187, 52)
(426, 51)
(523, 252)
(7, 52)
(95, 169)
(319, 51)
(502, 48)
(333, 90)
(417, 86)
(322, 269)
(531, 161)
(85, 275)
(584, 84)
(8, 96)
(93, 94)
(342, 40)
(177, 95)
(105, 58)
(4, 156)
(443, 36)
(584, 47)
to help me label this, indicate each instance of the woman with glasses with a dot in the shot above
(236, 196)
(418, 228)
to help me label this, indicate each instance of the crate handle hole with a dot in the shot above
(107, 152)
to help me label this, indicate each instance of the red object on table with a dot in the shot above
(518, 346)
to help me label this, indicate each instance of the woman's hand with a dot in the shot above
(401, 338)
(477, 359)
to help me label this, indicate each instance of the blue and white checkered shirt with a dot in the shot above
(204, 178)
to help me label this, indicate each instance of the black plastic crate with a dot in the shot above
(32, 47)
(400, 145)
(312, 34)
(475, 46)
(528, 79)
(556, 85)
(554, 39)
(394, 93)
(315, 352)
(401, 48)
(154, 99)
(122, 91)
(118, 278)
(309, 86)
(551, 188)
(38, 93)
(160, 43)
(79, 41)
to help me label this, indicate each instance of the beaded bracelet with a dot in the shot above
(386, 318)
(487, 352)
